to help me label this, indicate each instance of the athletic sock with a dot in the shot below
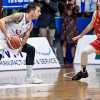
(84, 68)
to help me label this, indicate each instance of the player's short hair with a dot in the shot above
(32, 6)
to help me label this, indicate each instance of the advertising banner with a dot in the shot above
(13, 4)
(44, 56)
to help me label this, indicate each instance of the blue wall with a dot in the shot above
(82, 23)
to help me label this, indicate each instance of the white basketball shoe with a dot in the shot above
(30, 79)
(33, 80)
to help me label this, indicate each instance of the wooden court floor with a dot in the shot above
(56, 86)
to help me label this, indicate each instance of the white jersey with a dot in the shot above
(17, 28)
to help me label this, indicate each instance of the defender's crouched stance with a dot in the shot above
(93, 47)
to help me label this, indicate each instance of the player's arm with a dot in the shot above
(90, 26)
(26, 35)
(87, 29)
(7, 20)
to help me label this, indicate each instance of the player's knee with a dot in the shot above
(84, 53)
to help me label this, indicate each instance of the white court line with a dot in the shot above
(67, 75)
(24, 86)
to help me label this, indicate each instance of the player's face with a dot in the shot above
(36, 13)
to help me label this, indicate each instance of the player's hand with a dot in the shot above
(19, 50)
(76, 38)
(8, 37)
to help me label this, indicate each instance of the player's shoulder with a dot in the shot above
(18, 14)
(15, 16)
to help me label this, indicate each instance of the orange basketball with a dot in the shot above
(14, 42)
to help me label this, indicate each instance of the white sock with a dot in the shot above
(28, 71)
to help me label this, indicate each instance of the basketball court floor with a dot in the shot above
(57, 85)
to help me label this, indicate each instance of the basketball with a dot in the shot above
(14, 42)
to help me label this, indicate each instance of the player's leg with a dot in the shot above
(30, 51)
(30, 55)
(84, 60)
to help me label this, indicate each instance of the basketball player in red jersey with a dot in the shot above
(21, 24)
(93, 47)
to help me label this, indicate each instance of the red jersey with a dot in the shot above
(96, 25)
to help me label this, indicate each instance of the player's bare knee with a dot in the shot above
(84, 53)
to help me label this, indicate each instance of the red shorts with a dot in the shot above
(96, 44)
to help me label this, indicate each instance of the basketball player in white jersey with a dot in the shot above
(21, 24)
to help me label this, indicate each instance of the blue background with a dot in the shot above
(7, 5)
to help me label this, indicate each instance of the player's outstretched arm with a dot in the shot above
(87, 29)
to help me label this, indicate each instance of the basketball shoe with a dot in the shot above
(80, 75)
